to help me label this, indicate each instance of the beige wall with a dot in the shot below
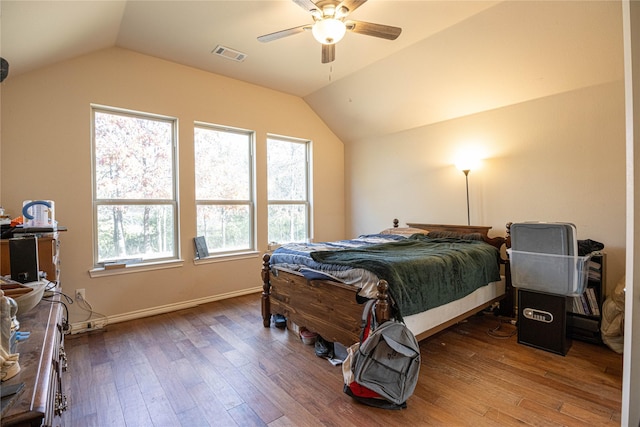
(559, 158)
(46, 154)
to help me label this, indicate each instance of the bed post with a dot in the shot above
(383, 312)
(507, 305)
(266, 291)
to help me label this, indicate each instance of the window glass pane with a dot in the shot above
(135, 231)
(222, 164)
(225, 227)
(224, 193)
(287, 223)
(133, 157)
(287, 170)
(134, 165)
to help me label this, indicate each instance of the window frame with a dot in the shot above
(250, 203)
(173, 202)
(307, 202)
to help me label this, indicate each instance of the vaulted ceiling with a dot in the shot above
(452, 59)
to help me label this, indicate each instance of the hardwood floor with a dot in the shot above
(215, 365)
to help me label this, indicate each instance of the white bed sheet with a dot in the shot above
(421, 322)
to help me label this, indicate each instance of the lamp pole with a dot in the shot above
(466, 178)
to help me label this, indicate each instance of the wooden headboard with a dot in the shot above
(483, 230)
(461, 229)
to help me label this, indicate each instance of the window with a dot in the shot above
(134, 193)
(224, 188)
(288, 171)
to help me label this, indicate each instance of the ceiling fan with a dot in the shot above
(330, 25)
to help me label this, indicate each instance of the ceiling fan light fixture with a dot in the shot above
(329, 30)
(329, 25)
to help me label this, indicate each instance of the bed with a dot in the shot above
(331, 305)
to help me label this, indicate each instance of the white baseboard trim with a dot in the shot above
(79, 327)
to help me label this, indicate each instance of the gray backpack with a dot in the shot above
(388, 362)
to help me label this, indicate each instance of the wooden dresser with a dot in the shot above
(42, 362)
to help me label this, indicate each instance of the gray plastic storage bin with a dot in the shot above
(556, 274)
(544, 257)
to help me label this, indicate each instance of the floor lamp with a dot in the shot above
(465, 165)
(466, 178)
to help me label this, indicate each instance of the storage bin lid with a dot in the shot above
(557, 238)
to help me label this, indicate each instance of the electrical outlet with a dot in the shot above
(98, 324)
(80, 294)
(88, 326)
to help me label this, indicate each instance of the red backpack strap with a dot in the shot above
(368, 323)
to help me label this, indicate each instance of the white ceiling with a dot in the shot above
(453, 57)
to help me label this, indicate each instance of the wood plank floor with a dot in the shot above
(215, 365)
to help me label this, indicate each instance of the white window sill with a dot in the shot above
(135, 268)
(226, 257)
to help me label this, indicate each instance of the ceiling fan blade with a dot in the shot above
(284, 33)
(307, 5)
(376, 30)
(351, 5)
(328, 53)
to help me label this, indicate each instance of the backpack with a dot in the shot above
(382, 369)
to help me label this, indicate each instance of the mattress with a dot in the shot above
(427, 320)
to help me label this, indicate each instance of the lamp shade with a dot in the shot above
(467, 163)
(329, 30)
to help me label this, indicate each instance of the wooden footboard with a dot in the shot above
(325, 307)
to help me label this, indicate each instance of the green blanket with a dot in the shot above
(423, 273)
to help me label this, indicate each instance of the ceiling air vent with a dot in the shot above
(231, 54)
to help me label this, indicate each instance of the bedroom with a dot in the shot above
(573, 133)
